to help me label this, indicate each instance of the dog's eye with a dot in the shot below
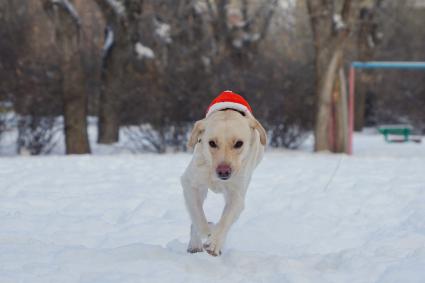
(238, 144)
(213, 144)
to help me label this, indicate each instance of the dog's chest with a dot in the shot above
(217, 187)
(225, 186)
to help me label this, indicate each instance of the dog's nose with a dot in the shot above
(224, 171)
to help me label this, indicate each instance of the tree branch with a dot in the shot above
(346, 9)
(69, 8)
(268, 18)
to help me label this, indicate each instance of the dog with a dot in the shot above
(228, 145)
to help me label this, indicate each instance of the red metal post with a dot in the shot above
(352, 82)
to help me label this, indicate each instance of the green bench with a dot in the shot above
(398, 133)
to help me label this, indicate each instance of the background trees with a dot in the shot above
(151, 67)
(331, 23)
(67, 31)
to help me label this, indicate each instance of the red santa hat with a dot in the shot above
(229, 100)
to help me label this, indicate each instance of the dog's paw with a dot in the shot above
(213, 245)
(195, 246)
(193, 250)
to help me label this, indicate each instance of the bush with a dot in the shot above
(145, 138)
(37, 135)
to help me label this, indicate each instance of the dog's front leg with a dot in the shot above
(194, 198)
(232, 209)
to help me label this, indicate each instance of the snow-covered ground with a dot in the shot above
(308, 218)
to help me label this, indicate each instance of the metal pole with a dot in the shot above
(351, 109)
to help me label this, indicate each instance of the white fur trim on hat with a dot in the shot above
(223, 105)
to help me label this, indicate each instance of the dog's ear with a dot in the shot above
(257, 126)
(196, 132)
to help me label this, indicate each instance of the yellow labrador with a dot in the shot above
(228, 145)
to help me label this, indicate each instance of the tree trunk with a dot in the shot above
(74, 103)
(366, 40)
(326, 83)
(360, 100)
(124, 24)
(330, 35)
(68, 33)
(113, 77)
(341, 106)
(109, 120)
(112, 73)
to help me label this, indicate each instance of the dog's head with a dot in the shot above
(226, 138)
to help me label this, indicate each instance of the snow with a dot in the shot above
(338, 21)
(143, 51)
(117, 6)
(201, 6)
(206, 61)
(237, 43)
(163, 30)
(109, 40)
(370, 41)
(308, 218)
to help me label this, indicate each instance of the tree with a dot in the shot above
(330, 23)
(66, 22)
(367, 39)
(238, 27)
(121, 39)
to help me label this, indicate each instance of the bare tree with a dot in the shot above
(238, 27)
(66, 23)
(330, 23)
(114, 61)
(367, 40)
(121, 40)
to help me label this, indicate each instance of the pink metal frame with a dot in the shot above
(352, 81)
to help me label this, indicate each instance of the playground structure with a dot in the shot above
(386, 131)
